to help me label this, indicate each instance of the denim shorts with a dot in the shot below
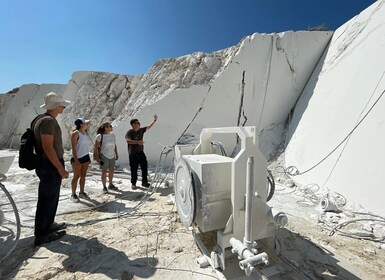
(84, 159)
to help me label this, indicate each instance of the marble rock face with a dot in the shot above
(336, 135)
(327, 86)
(255, 83)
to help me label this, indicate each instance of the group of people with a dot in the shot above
(51, 169)
(105, 154)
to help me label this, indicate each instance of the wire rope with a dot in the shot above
(18, 227)
(293, 171)
(149, 192)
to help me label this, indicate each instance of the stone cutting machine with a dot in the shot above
(226, 195)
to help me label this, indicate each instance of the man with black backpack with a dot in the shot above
(50, 170)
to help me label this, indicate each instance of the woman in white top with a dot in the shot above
(80, 159)
(106, 144)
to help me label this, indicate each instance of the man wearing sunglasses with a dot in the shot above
(137, 157)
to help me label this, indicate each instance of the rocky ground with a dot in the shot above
(137, 235)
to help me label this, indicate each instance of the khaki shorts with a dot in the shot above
(107, 163)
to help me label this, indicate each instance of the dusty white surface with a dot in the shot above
(344, 100)
(253, 83)
(112, 241)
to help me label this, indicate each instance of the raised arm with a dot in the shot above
(153, 122)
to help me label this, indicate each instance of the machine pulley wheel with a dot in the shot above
(184, 193)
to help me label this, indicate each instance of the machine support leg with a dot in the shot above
(247, 240)
(245, 250)
(248, 259)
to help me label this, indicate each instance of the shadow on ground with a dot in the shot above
(316, 262)
(80, 255)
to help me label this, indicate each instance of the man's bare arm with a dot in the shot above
(153, 122)
(47, 145)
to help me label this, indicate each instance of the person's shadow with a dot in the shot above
(91, 256)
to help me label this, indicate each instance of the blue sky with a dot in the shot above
(45, 41)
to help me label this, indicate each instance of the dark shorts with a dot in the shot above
(84, 159)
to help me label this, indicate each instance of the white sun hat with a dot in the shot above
(53, 100)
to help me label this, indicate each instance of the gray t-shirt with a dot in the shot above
(135, 135)
(48, 125)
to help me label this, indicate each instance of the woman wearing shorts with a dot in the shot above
(80, 159)
(106, 144)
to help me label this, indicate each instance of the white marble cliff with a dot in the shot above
(342, 109)
(330, 80)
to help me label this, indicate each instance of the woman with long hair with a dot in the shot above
(106, 154)
(80, 159)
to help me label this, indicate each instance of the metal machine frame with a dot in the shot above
(201, 181)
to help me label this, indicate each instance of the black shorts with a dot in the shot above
(84, 159)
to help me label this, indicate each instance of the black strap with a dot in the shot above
(39, 153)
(36, 119)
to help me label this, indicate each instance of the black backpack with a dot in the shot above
(27, 157)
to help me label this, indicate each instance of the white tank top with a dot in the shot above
(82, 147)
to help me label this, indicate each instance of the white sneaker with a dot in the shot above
(74, 198)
